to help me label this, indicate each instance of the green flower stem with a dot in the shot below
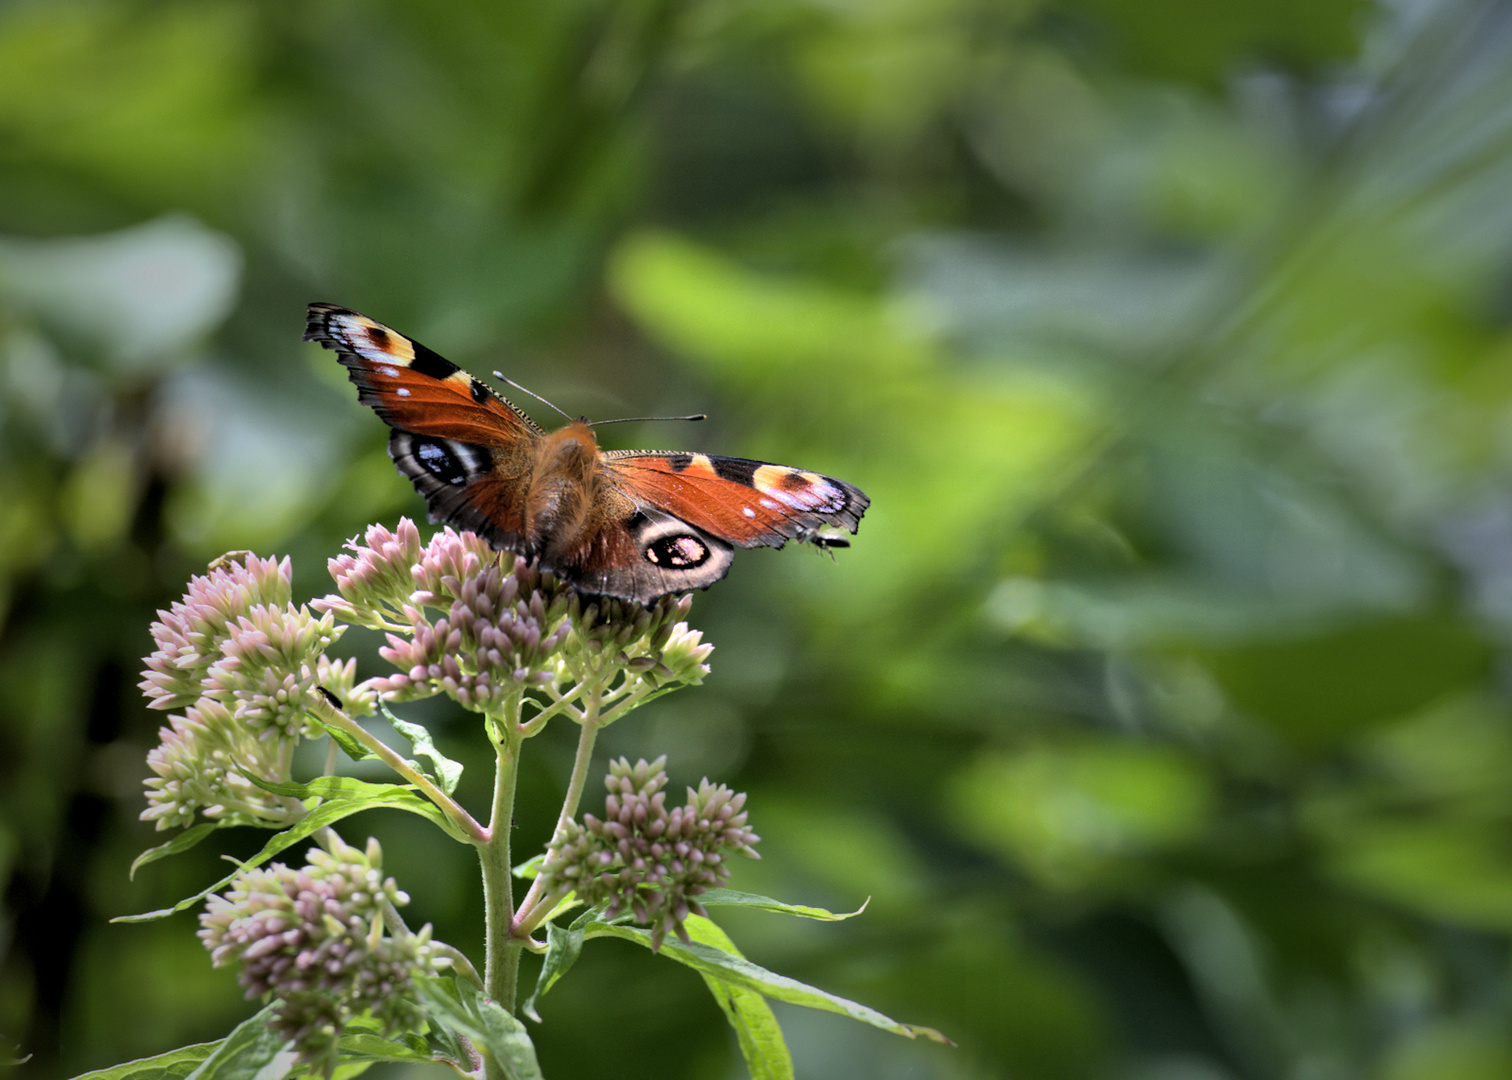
(593, 717)
(502, 950)
(586, 737)
(466, 824)
(625, 695)
(557, 706)
(532, 910)
(393, 922)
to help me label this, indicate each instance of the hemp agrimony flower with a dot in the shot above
(314, 939)
(243, 663)
(376, 581)
(645, 859)
(505, 629)
(189, 633)
(496, 638)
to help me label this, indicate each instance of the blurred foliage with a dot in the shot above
(1161, 704)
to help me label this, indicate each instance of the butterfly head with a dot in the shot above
(572, 449)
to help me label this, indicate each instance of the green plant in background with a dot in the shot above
(348, 982)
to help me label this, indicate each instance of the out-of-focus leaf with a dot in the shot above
(1451, 1050)
(142, 298)
(1071, 813)
(1454, 871)
(1190, 40)
(160, 102)
(1319, 688)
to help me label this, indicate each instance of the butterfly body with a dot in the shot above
(632, 524)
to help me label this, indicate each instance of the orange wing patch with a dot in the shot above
(411, 387)
(749, 503)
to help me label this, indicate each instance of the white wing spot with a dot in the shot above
(687, 551)
(747, 511)
(402, 391)
(769, 504)
(391, 372)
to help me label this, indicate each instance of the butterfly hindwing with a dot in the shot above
(461, 485)
(651, 553)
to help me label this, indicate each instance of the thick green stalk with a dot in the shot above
(501, 948)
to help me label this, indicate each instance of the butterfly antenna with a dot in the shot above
(504, 378)
(648, 419)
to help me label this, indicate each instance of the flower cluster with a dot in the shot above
(504, 626)
(189, 633)
(201, 764)
(375, 582)
(314, 938)
(645, 859)
(497, 637)
(242, 662)
(652, 642)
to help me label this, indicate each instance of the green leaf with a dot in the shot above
(443, 770)
(365, 794)
(341, 796)
(563, 945)
(344, 1071)
(369, 1046)
(530, 869)
(251, 1052)
(456, 1004)
(740, 972)
(172, 1065)
(756, 1029)
(182, 842)
(735, 898)
(343, 738)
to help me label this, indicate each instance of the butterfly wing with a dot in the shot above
(645, 555)
(457, 441)
(737, 501)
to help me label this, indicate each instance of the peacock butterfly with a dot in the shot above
(632, 524)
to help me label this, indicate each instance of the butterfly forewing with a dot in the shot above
(414, 388)
(749, 503)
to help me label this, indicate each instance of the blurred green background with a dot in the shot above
(1162, 705)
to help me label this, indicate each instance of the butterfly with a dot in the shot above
(630, 524)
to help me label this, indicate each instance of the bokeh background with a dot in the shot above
(1161, 706)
